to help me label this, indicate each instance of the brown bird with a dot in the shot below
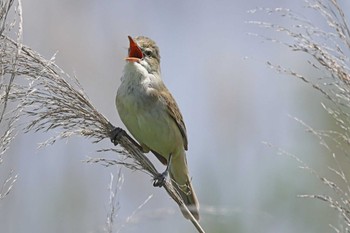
(152, 116)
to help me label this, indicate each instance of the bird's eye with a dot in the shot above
(148, 52)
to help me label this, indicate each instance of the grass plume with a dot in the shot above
(328, 49)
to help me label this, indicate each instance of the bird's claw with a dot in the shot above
(115, 134)
(160, 179)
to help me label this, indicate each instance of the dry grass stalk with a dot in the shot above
(8, 124)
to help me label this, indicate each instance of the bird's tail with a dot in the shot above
(181, 182)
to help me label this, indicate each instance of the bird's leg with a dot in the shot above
(159, 180)
(117, 132)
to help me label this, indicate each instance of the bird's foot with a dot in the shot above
(115, 134)
(160, 179)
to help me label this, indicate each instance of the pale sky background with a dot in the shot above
(231, 101)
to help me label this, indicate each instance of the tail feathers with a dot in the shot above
(189, 197)
(182, 184)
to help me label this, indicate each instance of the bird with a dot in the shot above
(152, 116)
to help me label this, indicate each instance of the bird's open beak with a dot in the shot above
(135, 53)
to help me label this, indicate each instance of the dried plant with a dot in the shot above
(329, 50)
(44, 97)
(113, 201)
(8, 124)
(7, 185)
(114, 189)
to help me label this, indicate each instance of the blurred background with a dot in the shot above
(231, 101)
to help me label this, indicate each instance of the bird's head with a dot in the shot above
(144, 51)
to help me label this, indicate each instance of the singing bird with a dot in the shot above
(152, 116)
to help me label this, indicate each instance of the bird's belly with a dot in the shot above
(151, 126)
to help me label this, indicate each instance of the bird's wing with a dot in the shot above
(175, 113)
